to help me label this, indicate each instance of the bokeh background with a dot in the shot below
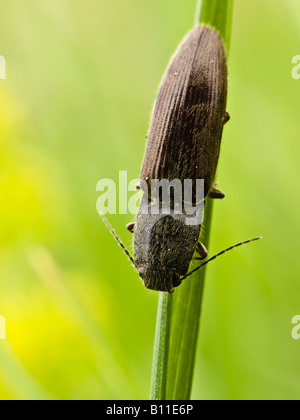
(75, 108)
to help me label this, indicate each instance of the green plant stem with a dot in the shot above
(218, 14)
(185, 320)
(161, 346)
(178, 317)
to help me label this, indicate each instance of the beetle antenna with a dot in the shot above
(116, 237)
(221, 253)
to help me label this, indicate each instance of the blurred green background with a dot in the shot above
(75, 108)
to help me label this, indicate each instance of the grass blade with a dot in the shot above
(185, 327)
(178, 317)
(218, 14)
(161, 347)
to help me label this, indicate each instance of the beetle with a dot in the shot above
(183, 144)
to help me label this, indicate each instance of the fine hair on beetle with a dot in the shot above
(183, 143)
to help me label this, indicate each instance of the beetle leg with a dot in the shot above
(226, 117)
(201, 250)
(215, 193)
(130, 227)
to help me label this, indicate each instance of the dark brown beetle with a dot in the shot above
(183, 144)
